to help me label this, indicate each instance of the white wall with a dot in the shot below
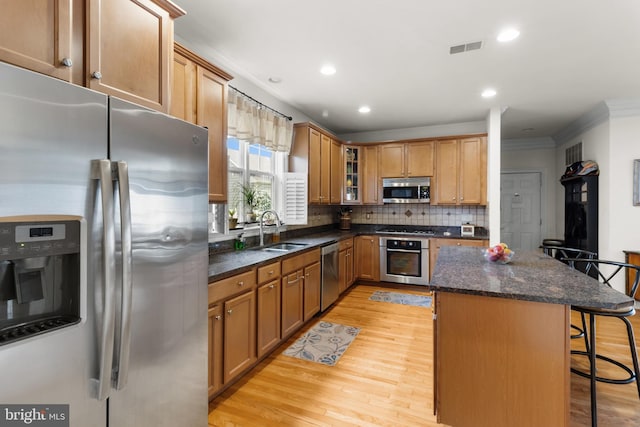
(624, 217)
(613, 143)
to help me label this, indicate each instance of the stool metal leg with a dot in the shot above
(634, 352)
(592, 361)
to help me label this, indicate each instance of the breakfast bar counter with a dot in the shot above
(503, 338)
(531, 276)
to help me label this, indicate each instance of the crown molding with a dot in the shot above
(602, 112)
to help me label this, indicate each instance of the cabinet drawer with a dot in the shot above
(299, 261)
(230, 286)
(345, 244)
(268, 272)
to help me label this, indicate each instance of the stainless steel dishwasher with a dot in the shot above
(329, 289)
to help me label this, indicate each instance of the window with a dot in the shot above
(253, 166)
(252, 178)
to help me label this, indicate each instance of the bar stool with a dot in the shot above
(611, 269)
(561, 253)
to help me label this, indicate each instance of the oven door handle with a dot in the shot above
(418, 251)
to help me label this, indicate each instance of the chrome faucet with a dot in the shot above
(262, 222)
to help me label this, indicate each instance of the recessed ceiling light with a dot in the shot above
(508, 34)
(275, 79)
(489, 93)
(325, 113)
(328, 70)
(364, 109)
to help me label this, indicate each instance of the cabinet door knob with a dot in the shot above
(241, 283)
(453, 198)
(458, 244)
(67, 62)
(96, 75)
(461, 198)
(218, 317)
(271, 273)
(230, 311)
(271, 286)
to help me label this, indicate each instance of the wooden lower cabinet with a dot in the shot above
(268, 310)
(436, 244)
(501, 362)
(311, 301)
(367, 253)
(215, 348)
(232, 328)
(300, 300)
(239, 334)
(268, 333)
(632, 257)
(292, 302)
(345, 264)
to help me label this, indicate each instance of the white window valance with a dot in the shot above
(251, 121)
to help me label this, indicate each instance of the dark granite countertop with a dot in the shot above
(226, 264)
(531, 276)
(229, 263)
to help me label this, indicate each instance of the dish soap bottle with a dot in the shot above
(239, 243)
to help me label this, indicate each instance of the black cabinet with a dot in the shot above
(581, 212)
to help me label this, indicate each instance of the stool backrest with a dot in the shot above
(605, 274)
(563, 254)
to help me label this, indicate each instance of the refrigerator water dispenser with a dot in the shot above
(39, 276)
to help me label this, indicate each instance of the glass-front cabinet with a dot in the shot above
(352, 190)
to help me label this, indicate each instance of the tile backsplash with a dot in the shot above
(401, 214)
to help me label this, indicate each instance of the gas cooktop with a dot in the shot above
(403, 230)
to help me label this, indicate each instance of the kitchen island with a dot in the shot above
(502, 337)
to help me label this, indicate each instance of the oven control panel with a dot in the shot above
(404, 244)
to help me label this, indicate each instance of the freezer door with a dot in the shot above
(49, 133)
(167, 160)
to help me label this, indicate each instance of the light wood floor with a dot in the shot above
(385, 378)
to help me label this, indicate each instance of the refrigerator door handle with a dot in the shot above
(121, 368)
(101, 170)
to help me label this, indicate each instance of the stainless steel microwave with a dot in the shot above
(406, 190)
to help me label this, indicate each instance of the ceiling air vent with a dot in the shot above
(465, 47)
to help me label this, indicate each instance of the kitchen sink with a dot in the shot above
(284, 247)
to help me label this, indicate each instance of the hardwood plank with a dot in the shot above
(385, 378)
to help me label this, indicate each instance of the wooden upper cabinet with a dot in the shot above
(183, 89)
(461, 169)
(212, 114)
(335, 193)
(325, 169)
(315, 166)
(446, 183)
(130, 49)
(199, 95)
(39, 35)
(311, 153)
(473, 171)
(369, 180)
(408, 159)
(420, 158)
(392, 160)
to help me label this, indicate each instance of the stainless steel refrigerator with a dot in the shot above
(120, 192)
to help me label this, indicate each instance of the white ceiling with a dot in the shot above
(394, 57)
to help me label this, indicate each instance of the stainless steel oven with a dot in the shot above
(404, 260)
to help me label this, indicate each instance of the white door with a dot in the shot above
(520, 209)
